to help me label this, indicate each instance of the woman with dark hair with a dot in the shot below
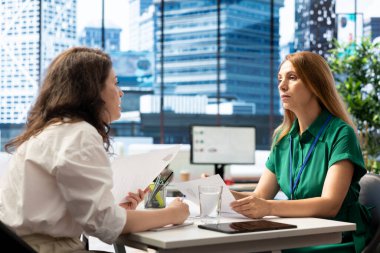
(315, 158)
(59, 180)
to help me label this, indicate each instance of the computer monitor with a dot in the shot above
(222, 145)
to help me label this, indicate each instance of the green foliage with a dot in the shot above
(375, 167)
(356, 67)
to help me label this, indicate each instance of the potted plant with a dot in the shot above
(356, 67)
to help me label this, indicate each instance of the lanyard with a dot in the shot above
(293, 185)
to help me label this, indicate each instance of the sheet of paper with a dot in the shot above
(190, 189)
(172, 226)
(96, 244)
(134, 172)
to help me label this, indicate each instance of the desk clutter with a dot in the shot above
(156, 197)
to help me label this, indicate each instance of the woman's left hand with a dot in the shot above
(251, 206)
(133, 199)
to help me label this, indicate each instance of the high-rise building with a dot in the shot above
(92, 37)
(140, 27)
(372, 28)
(315, 26)
(144, 5)
(32, 33)
(146, 37)
(190, 50)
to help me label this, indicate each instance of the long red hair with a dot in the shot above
(315, 73)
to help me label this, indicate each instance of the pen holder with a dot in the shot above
(156, 197)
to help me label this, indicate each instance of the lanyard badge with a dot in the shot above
(293, 185)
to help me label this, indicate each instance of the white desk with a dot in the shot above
(309, 232)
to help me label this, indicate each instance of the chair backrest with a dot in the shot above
(11, 241)
(369, 196)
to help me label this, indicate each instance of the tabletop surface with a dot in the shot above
(192, 235)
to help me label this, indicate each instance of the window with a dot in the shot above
(199, 55)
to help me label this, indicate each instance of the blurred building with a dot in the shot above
(92, 37)
(286, 49)
(190, 50)
(176, 104)
(27, 48)
(349, 27)
(315, 26)
(140, 28)
(372, 28)
(178, 126)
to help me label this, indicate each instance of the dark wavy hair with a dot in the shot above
(71, 90)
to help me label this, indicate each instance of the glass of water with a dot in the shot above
(210, 200)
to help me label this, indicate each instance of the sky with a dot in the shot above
(89, 12)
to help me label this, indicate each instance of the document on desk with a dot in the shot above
(190, 190)
(134, 172)
(173, 226)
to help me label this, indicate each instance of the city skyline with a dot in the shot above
(244, 72)
(190, 53)
(116, 10)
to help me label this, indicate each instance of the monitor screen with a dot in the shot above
(222, 144)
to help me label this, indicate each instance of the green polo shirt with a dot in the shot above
(336, 143)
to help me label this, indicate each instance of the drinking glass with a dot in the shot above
(210, 200)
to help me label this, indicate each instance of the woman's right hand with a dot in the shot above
(252, 207)
(180, 209)
(240, 195)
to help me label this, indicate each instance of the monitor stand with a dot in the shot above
(219, 169)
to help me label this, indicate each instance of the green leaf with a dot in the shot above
(356, 68)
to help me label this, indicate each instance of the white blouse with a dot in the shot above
(59, 183)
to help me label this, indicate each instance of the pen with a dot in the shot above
(158, 186)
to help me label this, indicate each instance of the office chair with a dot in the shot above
(11, 241)
(369, 196)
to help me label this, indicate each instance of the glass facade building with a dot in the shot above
(33, 32)
(372, 28)
(315, 26)
(179, 62)
(191, 44)
(92, 37)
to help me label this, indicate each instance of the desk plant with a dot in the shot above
(356, 67)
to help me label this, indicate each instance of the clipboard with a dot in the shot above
(246, 226)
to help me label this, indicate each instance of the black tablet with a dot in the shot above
(246, 226)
